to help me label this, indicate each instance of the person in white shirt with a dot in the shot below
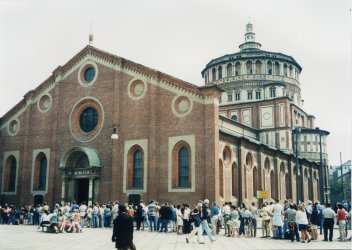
(226, 211)
(302, 221)
(186, 219)
(82, 213)
(277, 218)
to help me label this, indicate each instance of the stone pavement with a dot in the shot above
(29, 237)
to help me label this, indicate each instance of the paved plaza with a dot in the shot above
(29, 237)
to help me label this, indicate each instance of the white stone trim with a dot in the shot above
(136, 98)
(73, 109)
(7, 154)
(89, 58)
(80, 73)
(35, 153)
(173, 107)
(143, 143)
(38, 103)
(190, 139)
(9, 130)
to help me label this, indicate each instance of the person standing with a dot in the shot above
(255, 216)
(329, 216)
(277, 220)
(290, 214)
(138, 216)
(186, 219)
(82, 213)
(123, 229)
(302, 220)
(214, 217)
(179, 219)
(341, 218)
(315, 220)
(226, 211)
(265, 221)
(152, 216)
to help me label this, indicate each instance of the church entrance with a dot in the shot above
(81, 190)
(80, 173)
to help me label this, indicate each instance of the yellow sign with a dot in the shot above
(262, 194)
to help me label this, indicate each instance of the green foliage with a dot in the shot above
(336, 187)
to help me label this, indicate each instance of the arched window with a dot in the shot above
(234, 176)
(221, 178)
(272, 185)
(234, 117)
(272, 92)
(10, 174)
(310, 191)
(290, 71)
(237, 69)
(249, 160)
(277, 68)
(135, 167)
(249, 69)
(255, 182)
(269, 67)
(137, 170)
(245, 181)
(267, 165)
(229, 70)
(40, 169)
(285, 70)
(213, 74)
(287, 186)
(183, 163)
(219, 72)
(258, 67)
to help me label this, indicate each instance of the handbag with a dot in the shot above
(133, 246)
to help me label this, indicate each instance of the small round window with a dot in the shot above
(88, 120)
(89, 74)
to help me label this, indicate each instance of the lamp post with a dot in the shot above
(322, 191)
(114, 135)
(296, 131)
(343, 193)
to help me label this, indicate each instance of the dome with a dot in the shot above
(254, 66)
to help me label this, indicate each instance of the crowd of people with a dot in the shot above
(278, 221)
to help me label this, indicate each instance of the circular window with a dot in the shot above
(44, 103)
(86, 119)
(182, 106)
(89, 74)
(13, 127)
(137, 89)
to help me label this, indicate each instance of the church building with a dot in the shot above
(103, 128)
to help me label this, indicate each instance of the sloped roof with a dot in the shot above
(105, 56)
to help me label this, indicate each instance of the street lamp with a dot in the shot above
(322, 185)
(114, 135)
(297, 131)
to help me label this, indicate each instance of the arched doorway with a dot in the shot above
(80, 171)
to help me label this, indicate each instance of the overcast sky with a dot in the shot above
(179, 38)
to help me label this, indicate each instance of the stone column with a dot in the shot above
(90, 192)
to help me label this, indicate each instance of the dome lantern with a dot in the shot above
(249, 38)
